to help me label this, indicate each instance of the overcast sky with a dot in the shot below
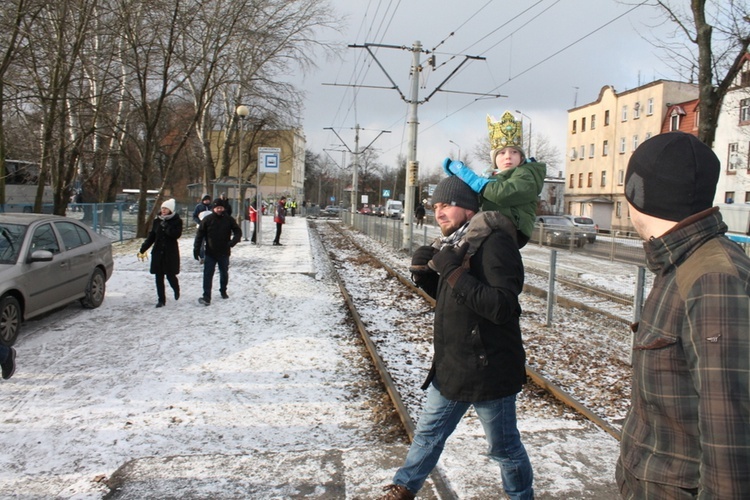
(545, 57)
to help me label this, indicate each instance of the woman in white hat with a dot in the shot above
(165, 256)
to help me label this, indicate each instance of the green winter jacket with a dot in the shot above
(515, 194)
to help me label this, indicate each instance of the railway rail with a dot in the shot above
(394, 383)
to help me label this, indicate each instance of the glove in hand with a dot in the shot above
(420, 258)
(142, 256)
(448, 259)
(196, 254)
(447, 166)
(475, 182)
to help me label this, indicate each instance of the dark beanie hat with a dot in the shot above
(672, 176)
(206, 197)
(454, 191)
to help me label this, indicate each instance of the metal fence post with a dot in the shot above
(551, 286)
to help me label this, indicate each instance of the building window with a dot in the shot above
(648, 136)
(573, 154)
(623, 145)
(605, 148)
(674, 122)
(580, 180)
(606, 118)
(744, 111)
(593, 122)
(747, 196)
(592, 150)
(583, 151)
(590, 179)
(635, 142)
(636, 110)
(604, 178)
(618, 209)
(624, 112)
(571, 181)
(574, 126)
(745, 79)
(620, 177)
(729, 197)
(650, 106)
(583, 124)
(733, 157)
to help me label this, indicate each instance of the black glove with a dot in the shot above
(420, 258)
(448, 259)
(196, 254)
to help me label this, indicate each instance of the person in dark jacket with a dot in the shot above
(687, 432)
(224, 201)
(220, 233)
(279, 217)
(165, 255)
(475, 273)
(203, 206)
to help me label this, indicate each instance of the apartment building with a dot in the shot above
(603, 134)
(732, 142)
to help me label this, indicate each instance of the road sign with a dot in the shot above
(268, 159)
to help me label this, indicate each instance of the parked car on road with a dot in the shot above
(366, 210)
(586, 224)
(46, 262)
(394, 208)
(557, 230)
(379, 211)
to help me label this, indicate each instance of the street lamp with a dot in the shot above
(528, 153)
(243, 112)
(459, 149)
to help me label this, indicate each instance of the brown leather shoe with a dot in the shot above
(396, 492)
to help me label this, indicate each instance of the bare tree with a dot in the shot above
(712, 39)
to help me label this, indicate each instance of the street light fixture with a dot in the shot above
(528, 153)
(459, 149)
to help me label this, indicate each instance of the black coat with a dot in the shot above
(479, 354)
(165, 256)
(220, 234)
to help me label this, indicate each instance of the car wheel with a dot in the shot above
(580, 243)
(10, 320)
(94, 290)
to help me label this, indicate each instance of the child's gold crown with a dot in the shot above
(507, 132)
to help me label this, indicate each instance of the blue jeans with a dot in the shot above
(209, 267)
(439, 419)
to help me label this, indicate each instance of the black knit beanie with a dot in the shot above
(454, 191)
(672, 176)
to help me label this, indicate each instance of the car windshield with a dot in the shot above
(11, 237)
(583, 220)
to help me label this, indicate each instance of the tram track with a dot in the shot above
(394, 384)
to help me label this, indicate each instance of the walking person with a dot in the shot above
(279, 217)
(165, 255)
(220, 232)
(419, 214)
(7, 361)
(203, 206)
(687, 433)
(252, 213)
(475, 276)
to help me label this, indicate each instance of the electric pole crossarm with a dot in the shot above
(360, 86)
(455, 70)
(343, 143)
(395, 86)
(376, 138)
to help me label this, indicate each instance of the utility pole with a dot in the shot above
(356, 153)
(412, 165)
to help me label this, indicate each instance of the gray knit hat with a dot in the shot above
(454, 191)
(672, 176)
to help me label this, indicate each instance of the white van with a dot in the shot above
(394, 208)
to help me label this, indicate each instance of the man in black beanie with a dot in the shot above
(687, 433)
(479, 357)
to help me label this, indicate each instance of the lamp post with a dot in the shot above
(243, 112)
(459, 149)
(528, 153)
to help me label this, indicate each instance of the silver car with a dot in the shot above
(46, 262)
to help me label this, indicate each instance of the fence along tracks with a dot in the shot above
(395, 387)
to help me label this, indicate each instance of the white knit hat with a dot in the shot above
(169, 205)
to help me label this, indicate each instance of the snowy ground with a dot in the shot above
(275, 368)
